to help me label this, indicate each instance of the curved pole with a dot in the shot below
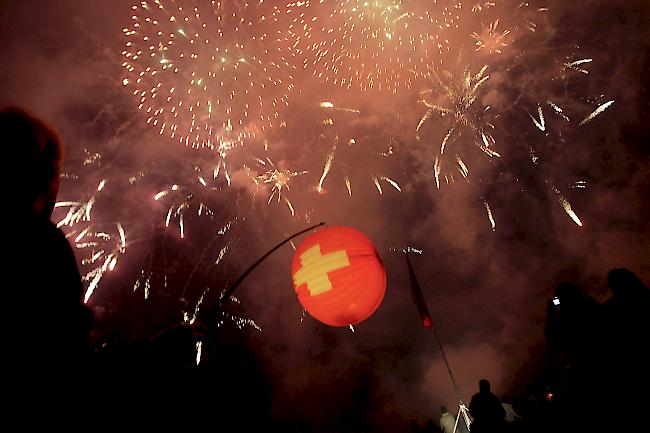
(230, 290)
(236, 284)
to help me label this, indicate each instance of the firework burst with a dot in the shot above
(274, 178)
(207, 73)
(491, 39)
(382, 45)
(455, 100)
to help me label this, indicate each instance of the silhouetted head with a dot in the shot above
(484, 385)
(32, 153)
(443, 409)
(569, 292)
(573, 298)
(624, 282)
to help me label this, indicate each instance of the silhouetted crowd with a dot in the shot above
(599, 354)
(597, 373)
(595, 379)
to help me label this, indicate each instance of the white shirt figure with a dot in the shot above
(448, 421)
(511, 414)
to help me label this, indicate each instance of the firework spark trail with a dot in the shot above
(221, 164)
(222, 253)
(199, 345)
(100, 248)
(79, 211)
(190, 318)
(462, 167)
(558, 111)
(352, 146)
(575, 65)
(145, 281)
(223, 150)
(327, 104)
(424, 119)
(197, 308)
(327, 168)
(103, 251)
(391, 182)
(596, 112)
(376, 181)
(489, 214)
(181, 202)
(290, 206)
(436, 171)
(567, 207)
(540, 124)
(208, 74)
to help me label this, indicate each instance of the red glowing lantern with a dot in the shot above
(338, 276)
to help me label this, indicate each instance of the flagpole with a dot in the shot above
(428, 323)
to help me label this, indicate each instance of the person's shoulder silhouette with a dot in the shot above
(431, 427)
(486, 409)
(628, 314)
(575, 302)
(625, 377)
(626, 287)
(574, 322)
(629, 307)
(51, 325)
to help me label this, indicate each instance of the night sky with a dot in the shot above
(487, 289)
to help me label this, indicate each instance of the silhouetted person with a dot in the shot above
(629, 306)
(49, 335)
(512, 418)
(575, 335)
(448, 421)
(574, 323)
(415, 427)
(486, 410)
(628, 320)
(431, 427)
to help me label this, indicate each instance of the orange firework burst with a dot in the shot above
(381, 44)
